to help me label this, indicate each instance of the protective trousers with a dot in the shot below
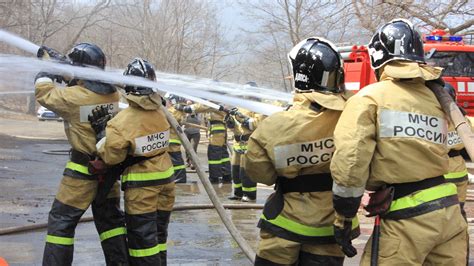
(72, 200)
(249, 188)
(218, 158)
(147, 213)
(273, 250)
(235, 166)
(434, 238)
(178, 163)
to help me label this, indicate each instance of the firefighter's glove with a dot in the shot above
(45, 52)
(229, 121)
(222, 108)
(343, 238)
(98, 119)
(233, 111)
(97, 167)
(179, 107)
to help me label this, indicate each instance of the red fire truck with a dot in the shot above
(448, 52)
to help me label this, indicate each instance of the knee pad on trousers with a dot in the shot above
(308, 259)
(62, 222)
(259, 261)
(142, 235)
(109, 221)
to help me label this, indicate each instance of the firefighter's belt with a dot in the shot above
(417, 198)
(306, 183)
(404, 189)
(80, 157)
(454, 153)
(77, 167)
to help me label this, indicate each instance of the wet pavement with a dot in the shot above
(29, 180)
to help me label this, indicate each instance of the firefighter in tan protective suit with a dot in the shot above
(293, 150)
(392, 135)
(142, 130)
(78, 187)
(175, 146)
(243, 122)
(217, 154)
(457, 171)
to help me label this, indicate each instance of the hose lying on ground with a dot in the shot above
(248, 251)
(31, 227)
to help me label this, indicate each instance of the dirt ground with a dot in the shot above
(29, 179)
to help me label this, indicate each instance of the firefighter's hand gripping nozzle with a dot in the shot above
(98, 119)
(46, 53)
(343, 239)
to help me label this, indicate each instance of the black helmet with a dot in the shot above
(87, 54)
(317, 66)
(450, 90)
(140, 68)
(396, 40)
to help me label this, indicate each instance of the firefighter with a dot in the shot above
(175, 144)
(142, 131)
(244, 122)
(217, 154)
(78, 186)
(391, 138)
(293, 150)
(457, 172)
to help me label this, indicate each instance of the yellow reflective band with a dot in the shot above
(148, 176)
(60, 240)
(225, 160)
(146, 252)
(78, 168)
(214, 161)
(162, 247)
(424, 196)
(249, 189)
(175, 141)
(179, 167)
(113, 233)
(237, 185)
(215, 128)
(305, 230)
(454, 175)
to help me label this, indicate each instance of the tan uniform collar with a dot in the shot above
(329, 101)
(149, 102)
(409, 70)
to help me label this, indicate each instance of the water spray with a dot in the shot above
(18, 42)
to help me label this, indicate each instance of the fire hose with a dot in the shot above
(210, 190)
(32, 227)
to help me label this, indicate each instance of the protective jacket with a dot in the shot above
(78, 187)
(457, 171)
(141, 130)
(293, 150)
(394, 133)
(175, 148)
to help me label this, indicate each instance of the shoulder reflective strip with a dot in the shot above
(453, 175)
(347, 192)
(144, 252)
(249, 189)
(305, 230)
(78, 167)
(113, 233)
(237, 185)
(179, 167)
(43, 79)
(225, 160)
(148, 176)
(162, 247)
(424, 196)
(175, 141)
(60, 240)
